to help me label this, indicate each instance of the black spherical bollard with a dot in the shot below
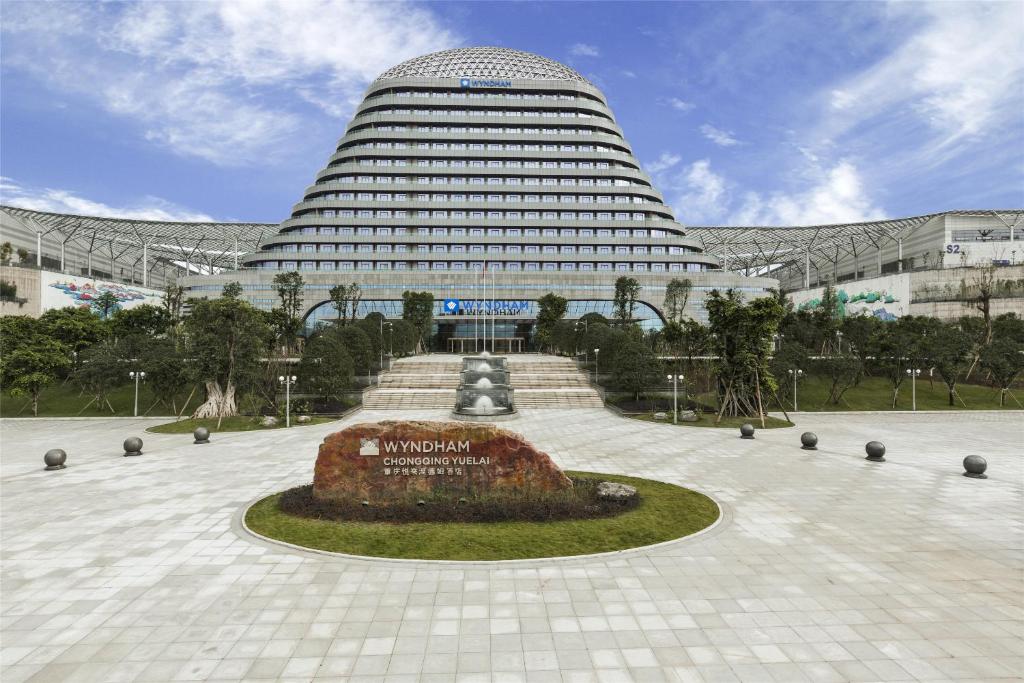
(55, 458)
(975, 467)
(809, 441)
(875, 451)
(201, 434)
(132, 446)
(747, 431)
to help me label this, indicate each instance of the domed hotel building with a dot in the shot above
(487, 177)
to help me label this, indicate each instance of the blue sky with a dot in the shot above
(767, 113)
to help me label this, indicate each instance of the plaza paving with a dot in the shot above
(825, 568)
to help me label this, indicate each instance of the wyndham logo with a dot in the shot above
(483, 83)
(369, 446)
(451, 306)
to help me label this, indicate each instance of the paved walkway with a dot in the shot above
(827, 568)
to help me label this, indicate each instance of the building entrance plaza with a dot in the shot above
(823, 567)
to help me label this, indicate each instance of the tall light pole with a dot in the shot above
(596, 366)
(914, 374)
(795, 374)
(391, 339)
(137, 376)
(839, 336)
(287, 381)
(675, 401)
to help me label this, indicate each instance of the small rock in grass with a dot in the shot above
(613, 491)
(688, 416)
(268, 421)
(660, 416)
(303, 419)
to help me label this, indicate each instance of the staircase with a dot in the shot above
(417, 382)
(430, 382)
(550, 382)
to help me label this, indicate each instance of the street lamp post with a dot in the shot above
(914, 374)
(137, 376)
(596, 366)
(839, 336)
(795, 374)
(586, 329)
(675, 400)
(391, 340)
(382, 324)
(287, 381)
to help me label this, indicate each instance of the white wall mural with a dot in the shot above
(885, 298)
(61, 291)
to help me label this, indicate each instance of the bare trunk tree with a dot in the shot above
(219, 402)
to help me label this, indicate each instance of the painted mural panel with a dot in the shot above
(885, 298)
(61, 291)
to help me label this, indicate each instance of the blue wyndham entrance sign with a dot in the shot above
(485, 306)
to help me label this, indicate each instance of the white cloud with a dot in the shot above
(66, 201)
(838, 196)
(721, 138)
(584, 50)
(705, 191)
(700, 195)
(681, 105)
(666, 161)
(223, 81)
(961, 73)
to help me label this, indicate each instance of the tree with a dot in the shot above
(677, 295)
(145, 320)
(16, 331)
(550, 310)
(827, 317)
(594, 318)
(5, 253)
(402, 337)
(174, 297)
(166, 371)
(103, 367)
(896, 347)
(858, 332)
(627, 292)
(1003, 358)
(339, 298)
(358, 345)
(32, 367)
(418, 309)
(105, 304)
(635, 368)
(232, 290)
(742, 340)
(948, 348)
(226, 339)
(326, 367)
(76, 328)
(289, 314)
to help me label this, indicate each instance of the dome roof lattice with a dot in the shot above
(483, 62)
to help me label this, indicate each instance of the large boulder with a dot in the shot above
(392, 460)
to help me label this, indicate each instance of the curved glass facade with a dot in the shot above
(508, 315)
(479, 158)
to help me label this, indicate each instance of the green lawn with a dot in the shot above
(665, 512)
(239, 423)
(875, 393)
(709, 421)
(67, 400)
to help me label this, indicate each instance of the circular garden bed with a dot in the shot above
(470, 529)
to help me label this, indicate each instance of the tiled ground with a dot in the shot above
(830, 568)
